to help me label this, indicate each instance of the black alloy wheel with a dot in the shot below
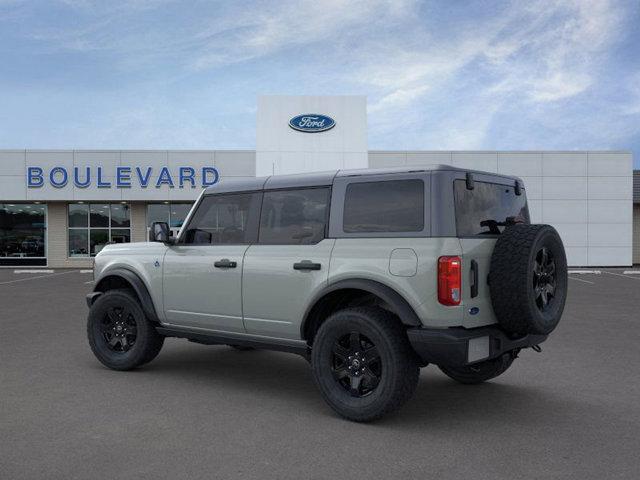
(363, 363)
(544, 278)
(119, 329)
(356, 364)
(119, 333)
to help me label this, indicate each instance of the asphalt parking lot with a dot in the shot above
(572, 411)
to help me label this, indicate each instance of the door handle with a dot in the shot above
(225, 263)
(306, 265)
(474, 279)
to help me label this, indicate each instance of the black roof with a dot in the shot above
(323, 178)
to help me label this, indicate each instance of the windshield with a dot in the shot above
(488, 208)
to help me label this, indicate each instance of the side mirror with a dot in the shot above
(159, 232)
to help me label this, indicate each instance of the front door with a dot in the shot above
(203, 272)
(290, 262)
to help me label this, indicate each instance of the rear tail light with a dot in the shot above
(449, 280)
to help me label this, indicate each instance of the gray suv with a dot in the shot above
(368, 274)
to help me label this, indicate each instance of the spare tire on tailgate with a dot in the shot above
(528, 279)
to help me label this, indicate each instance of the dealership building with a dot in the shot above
(58, 208)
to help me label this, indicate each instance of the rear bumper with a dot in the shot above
(461, 346)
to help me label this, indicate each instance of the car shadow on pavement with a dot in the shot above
(439, 402)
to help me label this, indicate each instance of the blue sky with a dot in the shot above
(438, 75)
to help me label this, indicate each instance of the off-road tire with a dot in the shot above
(398, 363)
(479, 372)
(148, 342)
(514, 285)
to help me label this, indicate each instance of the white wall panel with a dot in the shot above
(12, 162)
(387, 159)
(187, 194)
(95, 193)
(486, 161)
(351, 159)
(564, 211)
(520, 164)
(12, 187)
(236, 164)
(107, 160)
(610, 235)
(533, 187)
(145, 158)
(611, 188)
(535, 210)
(610, 211)
(564, 164)
(428, 158)
(47, 192)
(573, 234)
(564, 188)
(609, 164)
(273, 133)
(577, 256)
(609, 256)
(189, 158)
(49, 159)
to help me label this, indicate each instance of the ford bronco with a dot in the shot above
(369, 274)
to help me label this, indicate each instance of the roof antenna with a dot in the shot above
(518, 188)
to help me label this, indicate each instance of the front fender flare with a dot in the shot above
(138, 285)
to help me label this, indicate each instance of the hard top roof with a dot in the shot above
(324, 178)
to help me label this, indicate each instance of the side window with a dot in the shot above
(224, 219)
(386, 206)
(294, 217)
(487, 208)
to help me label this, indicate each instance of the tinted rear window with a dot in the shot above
(388, 206)
(481, 211)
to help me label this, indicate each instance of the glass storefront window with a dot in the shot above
(172, 213)
(78, 215)
(99, 237)
(78, 242)
(22, 231)
(120, 235)
(92, 226)
(99, 215)
(157, 212)
(120, 216)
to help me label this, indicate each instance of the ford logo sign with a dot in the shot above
(312, 123)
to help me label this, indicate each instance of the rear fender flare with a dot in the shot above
(392, 298)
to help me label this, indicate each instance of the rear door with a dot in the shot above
(290, 262)
(480, 216)
(202, 279)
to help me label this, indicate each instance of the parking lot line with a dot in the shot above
(33, 271)
(39, 276)
(631, 272)
(581, 280)
(623, 276)
(582, 272)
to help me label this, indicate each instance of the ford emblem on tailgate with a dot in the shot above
(312, 123)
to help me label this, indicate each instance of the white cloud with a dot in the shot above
(430, 83)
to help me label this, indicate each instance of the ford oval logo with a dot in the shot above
(312, 123)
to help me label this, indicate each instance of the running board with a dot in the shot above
(265, 343)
